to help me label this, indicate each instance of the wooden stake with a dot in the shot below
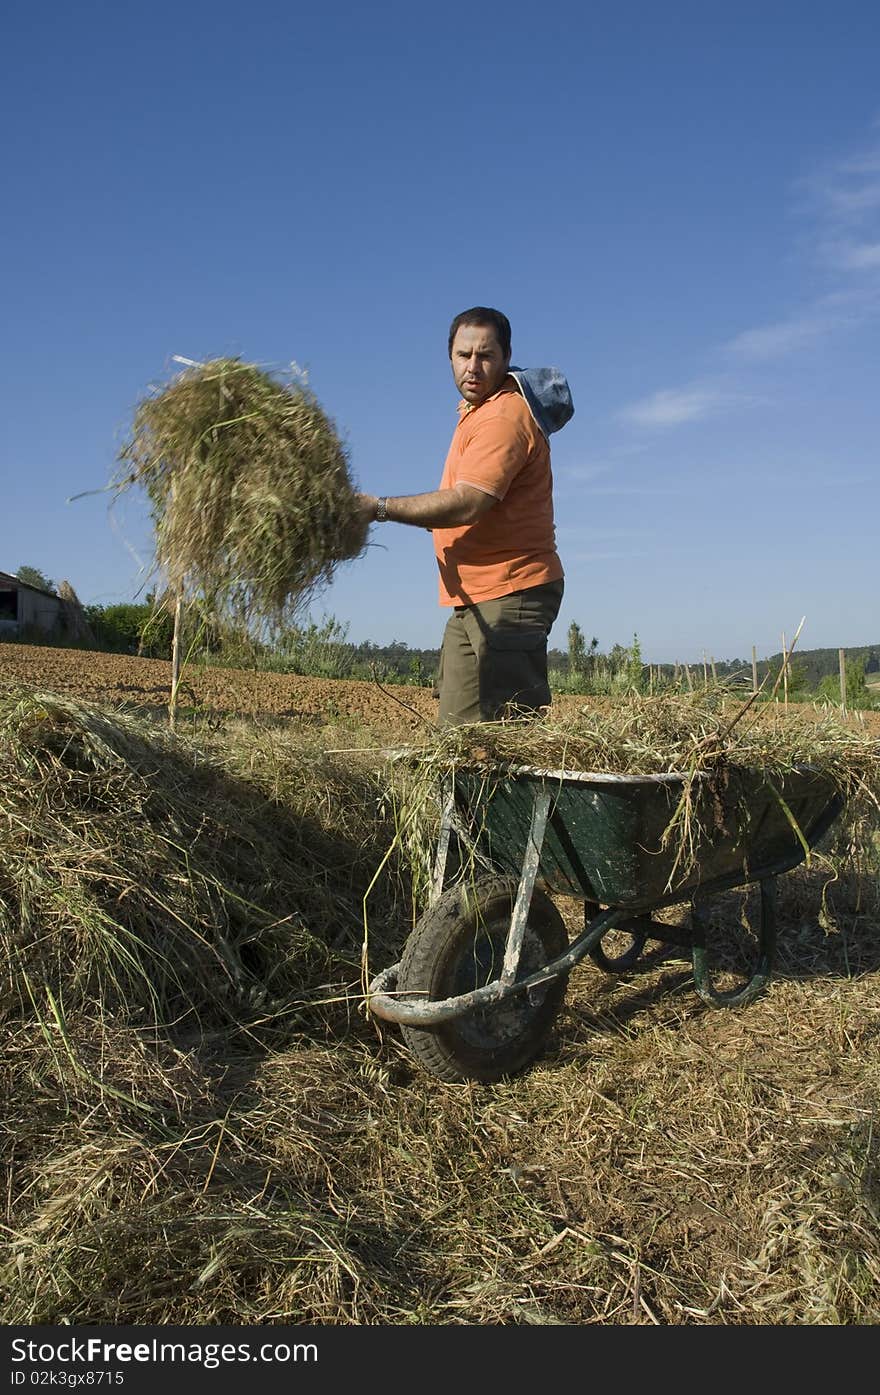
(689, 679)
(175, 662)
(746, 705)
(784, 673)
(705, 671)
(714, 671)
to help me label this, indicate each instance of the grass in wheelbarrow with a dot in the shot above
(703, 737)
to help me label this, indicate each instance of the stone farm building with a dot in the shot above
(24, 608)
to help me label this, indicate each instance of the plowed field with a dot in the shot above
(121, 680)
(125, 681)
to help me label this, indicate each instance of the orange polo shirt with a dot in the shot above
(499, 448)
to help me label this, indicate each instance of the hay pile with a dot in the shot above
(140, 875)
(75, 622)
(251, 496)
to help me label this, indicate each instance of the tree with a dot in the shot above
(581, 658)
(577, 649)
(634, 669)
(32, 576)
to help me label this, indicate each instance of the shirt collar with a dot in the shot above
(507, 385)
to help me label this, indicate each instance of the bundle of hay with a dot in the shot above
(252, 500)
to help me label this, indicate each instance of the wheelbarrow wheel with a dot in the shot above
(458, 946)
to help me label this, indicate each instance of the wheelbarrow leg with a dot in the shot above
(447, 816)
(513, 948)
(748, 991)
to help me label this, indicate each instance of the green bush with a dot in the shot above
(132, 629)
(858, 694)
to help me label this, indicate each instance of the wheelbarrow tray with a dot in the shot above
(604, 840)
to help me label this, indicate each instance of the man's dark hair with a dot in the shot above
(483, 316)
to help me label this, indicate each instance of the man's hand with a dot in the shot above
(367, 505)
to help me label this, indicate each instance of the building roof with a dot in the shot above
(7, 579)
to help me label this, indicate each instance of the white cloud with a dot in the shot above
(774, 341)
(859, 256)
(674, 406)
(582, 473)
(844, 232)
(847, 192)
(840, 310)
(851, 201)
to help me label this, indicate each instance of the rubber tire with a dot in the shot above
(438, 962)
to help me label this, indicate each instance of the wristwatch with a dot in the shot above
(382, 510)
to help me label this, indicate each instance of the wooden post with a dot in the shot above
(687, 672)
(714, 671)
(841, 659)
(784, 673)
(754, 669)
(705, 671)
(175, 662)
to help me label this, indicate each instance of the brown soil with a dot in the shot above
(125, 681)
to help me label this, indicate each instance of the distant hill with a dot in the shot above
(816, 664)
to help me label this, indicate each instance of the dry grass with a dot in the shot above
(663, 1163)
(249, 485)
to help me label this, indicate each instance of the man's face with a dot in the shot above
(478, 365)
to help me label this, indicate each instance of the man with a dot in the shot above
(492, 522)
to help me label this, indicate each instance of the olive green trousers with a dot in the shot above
(493, 662)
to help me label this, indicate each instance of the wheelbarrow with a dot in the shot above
(484, 972)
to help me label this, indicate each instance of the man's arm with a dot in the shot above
(441, 508)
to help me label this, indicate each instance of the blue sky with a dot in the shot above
(677, 204)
